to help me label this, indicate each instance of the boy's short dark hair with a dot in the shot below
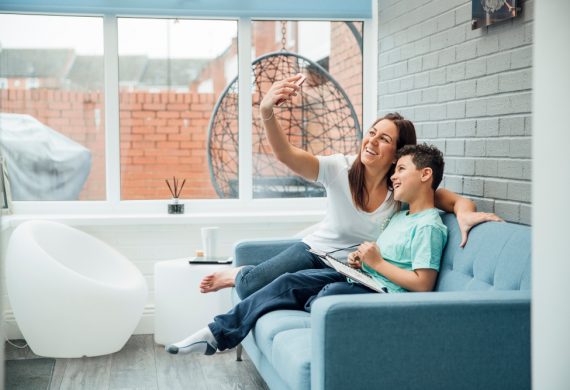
(425, 156)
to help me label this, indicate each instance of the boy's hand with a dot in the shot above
(467, 220)
(354, 260)
(369, 253)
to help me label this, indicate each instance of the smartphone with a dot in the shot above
(297, 83)
(210, 260)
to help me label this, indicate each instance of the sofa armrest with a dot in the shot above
(253, 252)
(436, 340)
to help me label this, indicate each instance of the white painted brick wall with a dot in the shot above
(467, 91)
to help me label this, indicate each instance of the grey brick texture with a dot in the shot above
(468, 92)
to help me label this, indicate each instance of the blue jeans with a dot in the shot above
(338, 288)
(295, 258)
(293, 291)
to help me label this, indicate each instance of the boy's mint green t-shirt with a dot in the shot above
(411, 241)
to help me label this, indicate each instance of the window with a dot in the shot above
(172, 106)
(170, 78)
(53, 135)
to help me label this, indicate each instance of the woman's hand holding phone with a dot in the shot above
(300, 80)
(280, 92)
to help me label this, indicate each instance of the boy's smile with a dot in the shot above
(406, 179)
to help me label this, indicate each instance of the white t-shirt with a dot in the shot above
(344, 224)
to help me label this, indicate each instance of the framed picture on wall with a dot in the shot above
(488, 12)
(5, 194)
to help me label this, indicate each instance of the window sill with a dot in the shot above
(12, 221)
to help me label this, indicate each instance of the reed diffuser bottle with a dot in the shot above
(175, 207)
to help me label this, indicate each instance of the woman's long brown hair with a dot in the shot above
(406, 136)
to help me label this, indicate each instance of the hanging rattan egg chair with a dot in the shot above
(321, 120)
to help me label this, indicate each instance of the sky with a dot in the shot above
(136, 36)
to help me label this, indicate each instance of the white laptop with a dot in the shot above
(352, 273)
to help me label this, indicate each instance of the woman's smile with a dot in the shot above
(371, 151)
(379, 143)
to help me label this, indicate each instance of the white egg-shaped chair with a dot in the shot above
(72, 294)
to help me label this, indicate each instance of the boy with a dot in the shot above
(409, 261)
(412, 244)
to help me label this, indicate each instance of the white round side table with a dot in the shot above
(180, 308)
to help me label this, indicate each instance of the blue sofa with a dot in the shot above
(473, 332)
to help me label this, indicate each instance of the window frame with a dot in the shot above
(245, 203)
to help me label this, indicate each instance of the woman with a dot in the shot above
(359, 192)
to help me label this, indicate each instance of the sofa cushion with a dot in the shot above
(496, 257)
(275, 322)
(292, 357)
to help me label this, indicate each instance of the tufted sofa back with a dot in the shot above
(496, 257)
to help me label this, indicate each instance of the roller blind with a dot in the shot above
(294, 9)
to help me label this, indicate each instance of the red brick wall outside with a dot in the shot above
(165, 135)
(345, 63)
(162, 135)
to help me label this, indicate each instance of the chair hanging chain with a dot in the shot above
(283, 35)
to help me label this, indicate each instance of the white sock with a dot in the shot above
(203, 341)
